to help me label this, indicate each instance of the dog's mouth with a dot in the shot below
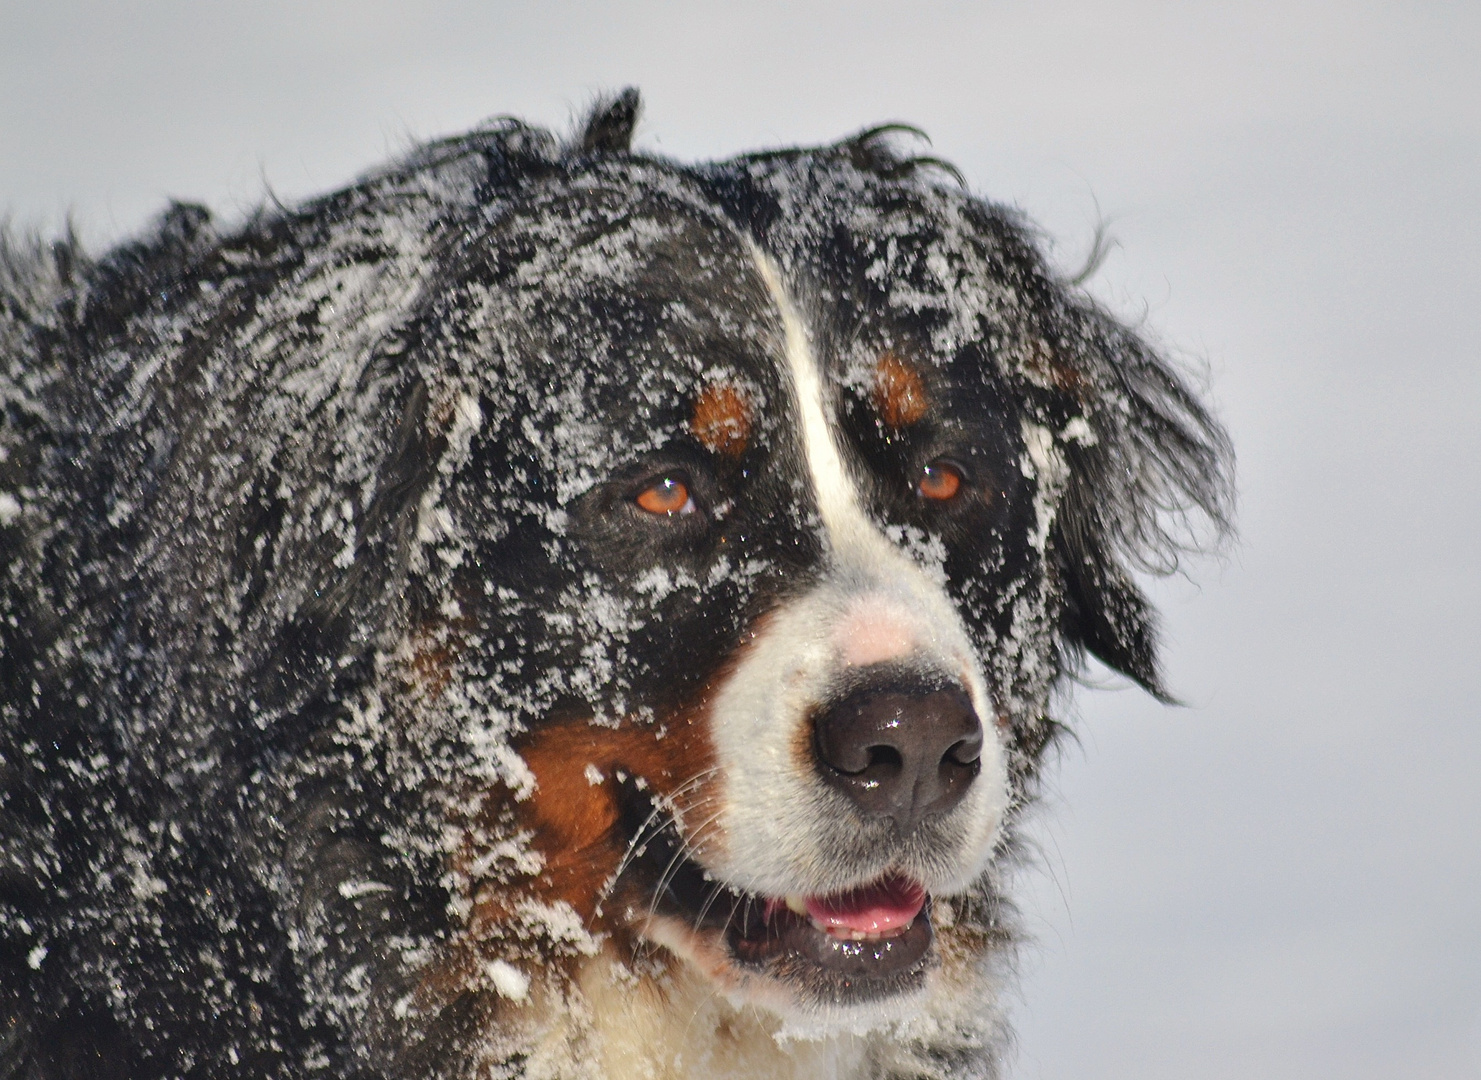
(857, 945)
(864, 943)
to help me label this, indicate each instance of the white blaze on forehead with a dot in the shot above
(838, 503)
(903, 609)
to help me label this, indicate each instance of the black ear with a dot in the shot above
(1104, 611)
(609, 128)
(1149, 471)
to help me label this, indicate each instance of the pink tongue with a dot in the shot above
(885, 905)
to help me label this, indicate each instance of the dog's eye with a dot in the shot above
(939, 481)
(668, 496)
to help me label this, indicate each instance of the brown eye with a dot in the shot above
(939, 481)
(667, 496)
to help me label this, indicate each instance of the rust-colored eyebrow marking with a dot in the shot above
(722, 419)
(899, 395)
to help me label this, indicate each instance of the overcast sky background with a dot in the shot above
(1282, 880)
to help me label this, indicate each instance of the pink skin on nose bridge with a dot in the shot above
(874, 631)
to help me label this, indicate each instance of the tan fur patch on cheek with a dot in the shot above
(961, 939)
(722, 419)
(562, 845)
(571, 818)
(571, 824)
(963, 949)
(899, 394)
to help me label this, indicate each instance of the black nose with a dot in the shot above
(900, 752)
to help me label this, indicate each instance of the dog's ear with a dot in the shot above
(609, 128)
(1104, 612)
(1148, 469)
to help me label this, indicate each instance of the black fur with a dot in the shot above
(242, 470)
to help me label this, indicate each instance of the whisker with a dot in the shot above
(719, 886)
(680, 856)
(704, 909)
(654, 814)
(652, 826)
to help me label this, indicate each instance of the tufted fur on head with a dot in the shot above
(358, 718)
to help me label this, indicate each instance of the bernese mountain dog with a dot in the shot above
(546, 610)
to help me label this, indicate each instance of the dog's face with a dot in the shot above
(753, 549)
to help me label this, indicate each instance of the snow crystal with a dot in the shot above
(345, 558)
(467, 420)
(1078, 430)
(508, 980)
(1043, 462)
(558, 922)
(926, 549)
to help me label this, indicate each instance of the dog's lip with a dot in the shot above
(873, 935)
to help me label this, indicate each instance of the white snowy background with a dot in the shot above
(1281, 880)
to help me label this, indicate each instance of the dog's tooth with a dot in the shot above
(796, 904)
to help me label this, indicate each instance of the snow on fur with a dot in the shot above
(295, 544)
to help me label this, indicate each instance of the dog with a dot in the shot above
(546, 610)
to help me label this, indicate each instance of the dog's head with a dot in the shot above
(541, 570)
(775, 496)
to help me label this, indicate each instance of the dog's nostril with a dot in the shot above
(966, 752)
(899, 751)
(884, 756)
